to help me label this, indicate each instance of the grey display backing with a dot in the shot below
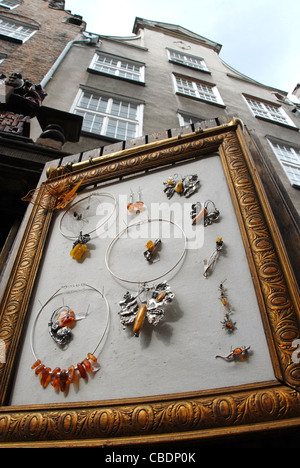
(179, 354)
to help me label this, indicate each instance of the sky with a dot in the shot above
(259, 38)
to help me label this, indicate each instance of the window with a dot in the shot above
(187, 119)
(109, 116)
(289, 157)
(268, 111)
(186, 59)
(16, 30)
(10, 3)
(118, 67)
(197, 89)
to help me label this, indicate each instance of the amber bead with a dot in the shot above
(39, 369)
(82, 370)
(36, 363)
(55, 376)
(87, 364)
(63, 379)
(45, 376)
(92, 357)
(139, 319)
(224, 302)
(71, 374)
(130, 207)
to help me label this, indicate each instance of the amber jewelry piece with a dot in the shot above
(61, 379)
(64, 317)
(186, 185)
(61, 188)
(79, 248)
(227, 323)
(135, 207)
(236, 354)
(152, 248)
(210, 263)
(60, 324)
(208, 213)
(132, 311)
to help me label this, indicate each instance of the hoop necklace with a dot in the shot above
(80, 241)
(61, 378)
(133, 309)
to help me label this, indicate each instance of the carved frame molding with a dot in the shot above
(180, 416)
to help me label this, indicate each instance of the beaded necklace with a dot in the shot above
(61, 378)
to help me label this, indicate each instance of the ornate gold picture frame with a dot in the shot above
(188, 415)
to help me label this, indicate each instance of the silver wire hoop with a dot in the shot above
(52, 297)
(106, 194)
(110, 246)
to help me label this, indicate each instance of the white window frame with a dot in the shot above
(106, 114)
(16, 30)
(11, 4)
(118, 67)
(288, 155)
(206, 92)
(188, 60)
(268, 111)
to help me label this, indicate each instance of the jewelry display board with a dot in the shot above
(217, 344)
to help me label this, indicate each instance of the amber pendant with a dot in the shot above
(133, 311)
(61, 322)
(152, 247)
(79, 247)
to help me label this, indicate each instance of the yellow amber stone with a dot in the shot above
(139, 319)
(178, 187)
(78, 251)
(150, 245)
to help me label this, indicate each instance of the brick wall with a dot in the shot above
(35, 57)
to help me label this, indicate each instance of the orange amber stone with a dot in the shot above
(160, 296)
(39, 369)
(45, 376)
(224, 302)
(130, 207)
(139, 319)
(36, 363)
(199, 216)
(63, 379)
(55, 376)
(71, 374)
(66, 318)
(82, 370)
(92, 357)
(87, 364)
(150, 245)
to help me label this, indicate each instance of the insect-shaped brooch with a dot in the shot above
(134, 311)
(240, 353)
(186, 185)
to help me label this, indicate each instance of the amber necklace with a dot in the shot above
(79, 242)
(150, 300)
(61, 378)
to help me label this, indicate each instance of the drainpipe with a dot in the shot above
(88, 39)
